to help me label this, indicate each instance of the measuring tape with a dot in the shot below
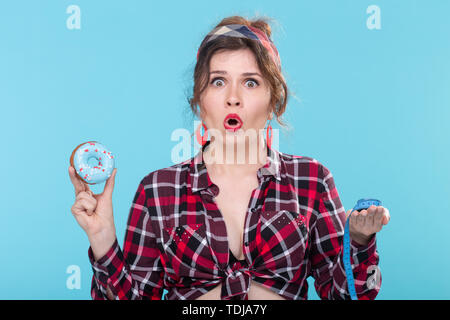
(360, 205)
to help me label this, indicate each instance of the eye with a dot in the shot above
(248, 80)
(213, 80)
(253, 80)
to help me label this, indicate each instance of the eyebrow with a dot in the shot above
(244, 74)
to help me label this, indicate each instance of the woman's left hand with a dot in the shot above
(365, 223)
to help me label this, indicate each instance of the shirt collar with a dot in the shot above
(200, 178)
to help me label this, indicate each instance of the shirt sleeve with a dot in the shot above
(327, 233)
(137, 272)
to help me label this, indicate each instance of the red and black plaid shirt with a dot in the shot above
(176, 237)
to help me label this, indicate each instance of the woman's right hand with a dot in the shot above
(94, 213)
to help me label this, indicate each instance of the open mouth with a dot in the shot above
(232, 122)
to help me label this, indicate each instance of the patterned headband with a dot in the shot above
(242, 31)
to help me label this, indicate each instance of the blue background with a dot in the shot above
(372, 106)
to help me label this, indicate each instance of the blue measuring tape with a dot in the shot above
(360, 205)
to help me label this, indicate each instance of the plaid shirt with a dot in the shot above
(176, 237)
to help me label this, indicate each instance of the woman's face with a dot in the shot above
(236, 86)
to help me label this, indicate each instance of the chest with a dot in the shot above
(209, 224)
(233, 201)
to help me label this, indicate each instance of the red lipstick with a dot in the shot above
(232, 122)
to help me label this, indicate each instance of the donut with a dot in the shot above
(93, 163)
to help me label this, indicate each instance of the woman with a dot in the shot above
(223, 225)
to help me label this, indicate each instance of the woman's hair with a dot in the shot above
(278, 88)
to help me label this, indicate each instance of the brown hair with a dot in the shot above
(278, 88)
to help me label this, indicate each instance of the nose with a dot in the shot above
(233, 99)
(233, 102)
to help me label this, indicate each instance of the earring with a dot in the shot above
(269, 140)
(201, 139)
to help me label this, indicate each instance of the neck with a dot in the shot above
(235, 158)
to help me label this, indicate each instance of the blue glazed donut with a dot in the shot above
(93, 163)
